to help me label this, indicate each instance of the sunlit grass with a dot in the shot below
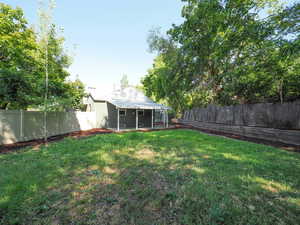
(165, 177)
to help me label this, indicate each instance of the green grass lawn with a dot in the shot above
(165, 177)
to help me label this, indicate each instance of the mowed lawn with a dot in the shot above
(165, 177)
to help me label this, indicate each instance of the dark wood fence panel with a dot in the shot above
(273, 122)
(279, 116)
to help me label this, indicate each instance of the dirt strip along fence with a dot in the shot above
(20, 126)
(273, 122)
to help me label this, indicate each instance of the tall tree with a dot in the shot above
(229, 52)
(166, 81)
(45, 14)
(22, 65)
(18, 59)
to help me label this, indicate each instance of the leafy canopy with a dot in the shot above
(22, 69)
(227, 52)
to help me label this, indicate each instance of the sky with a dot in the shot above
(108, 38)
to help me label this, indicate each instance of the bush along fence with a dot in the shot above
(19, 126)
(273, 122)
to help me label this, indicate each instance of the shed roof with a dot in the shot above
(128, 98)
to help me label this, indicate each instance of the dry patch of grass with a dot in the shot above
(145, 154)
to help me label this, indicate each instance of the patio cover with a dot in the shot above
(125, 104)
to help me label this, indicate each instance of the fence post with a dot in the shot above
(21, 125)
(1, 128)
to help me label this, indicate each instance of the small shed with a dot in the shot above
(126, 108)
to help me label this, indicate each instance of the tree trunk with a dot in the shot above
(281, 90)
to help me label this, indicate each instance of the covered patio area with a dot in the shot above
(133, 115)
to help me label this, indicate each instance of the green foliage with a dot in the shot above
(17, 88)
(18, 50)
(166, 82)
(59, 91)
(227, 52)
(22, 66)
(76, 94)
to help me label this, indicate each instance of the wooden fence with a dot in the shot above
(275, 122)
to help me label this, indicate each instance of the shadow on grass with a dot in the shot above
(167, 177)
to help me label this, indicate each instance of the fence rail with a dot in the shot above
(18, 126)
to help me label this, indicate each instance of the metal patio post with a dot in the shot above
(152, 119)
(136, 119)
(167, 118)
(118, 125)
